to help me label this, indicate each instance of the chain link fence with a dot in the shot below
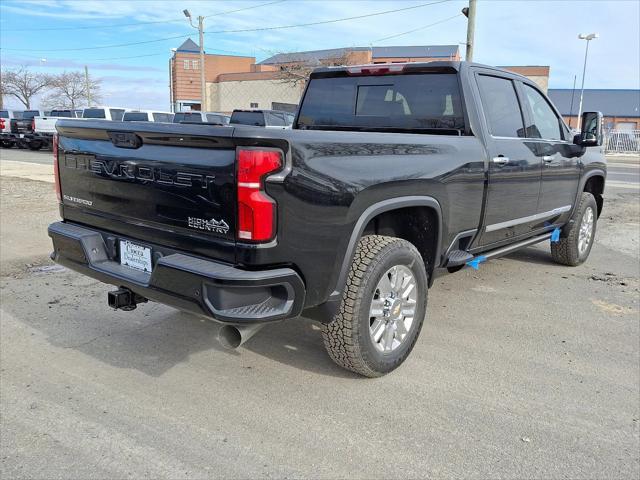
(265, 94)
(622, 141)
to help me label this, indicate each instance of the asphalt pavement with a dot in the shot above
(524, 369)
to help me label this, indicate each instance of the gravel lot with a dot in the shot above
(524, 369)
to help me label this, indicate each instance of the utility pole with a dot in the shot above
(470, 13)
(86, 85)
(203, 86)
(588, 38)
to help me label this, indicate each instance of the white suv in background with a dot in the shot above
(105, 113)
(147, 116)
(263, 118)
(202, 117)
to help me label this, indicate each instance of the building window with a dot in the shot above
(186, 64)
(253, 105)
(195, 64)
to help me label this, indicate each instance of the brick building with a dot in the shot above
(185, 73)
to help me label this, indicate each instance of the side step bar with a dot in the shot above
(458, 259)
(500, 252)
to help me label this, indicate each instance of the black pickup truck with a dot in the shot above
(20, 126)
(390, 175)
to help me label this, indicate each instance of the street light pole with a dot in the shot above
(87, 85)
(203, 86)
(588, 38)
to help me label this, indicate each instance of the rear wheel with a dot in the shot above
(576, 238)
(5, 144)
(35, 145)
(382, 309)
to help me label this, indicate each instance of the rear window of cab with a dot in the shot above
(429, 101)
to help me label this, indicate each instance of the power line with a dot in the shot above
(261, 29)
(417, 29)
(101, 47)
(102, 27)
(120, 58)
(259, 48)
(324, 22)
(245, 8)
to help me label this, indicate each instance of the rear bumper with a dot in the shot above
(205, 287)
(9, 137)
(43, 138)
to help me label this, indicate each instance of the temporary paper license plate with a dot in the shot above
(135, 256)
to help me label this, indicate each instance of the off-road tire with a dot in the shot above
(347, 338)
(566, 251)
(35, 146)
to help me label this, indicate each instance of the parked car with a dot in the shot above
(147, 116)
(105, 113)
(20, 125)
(201, 117)
(263, 118)
(44, 127)
(390, 175)
(6, 139)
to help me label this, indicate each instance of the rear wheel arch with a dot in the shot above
(419, 225)
(381, 215)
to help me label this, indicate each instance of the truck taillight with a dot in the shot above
(56, 171)
(1, 123)
(33, 125)
(256, 210)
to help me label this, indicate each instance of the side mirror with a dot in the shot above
(591, 134)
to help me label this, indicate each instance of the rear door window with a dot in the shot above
(501, 107)
(275, 119)
(248, 118)
(116, 114)
(62, 113)
(94, 113)
(135, 117)
(429, 101)
(213, 118)
(162, 117)
(187, 117)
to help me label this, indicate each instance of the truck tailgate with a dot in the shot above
(149, 182)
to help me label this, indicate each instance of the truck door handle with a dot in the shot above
(500, 160)
(549, 158)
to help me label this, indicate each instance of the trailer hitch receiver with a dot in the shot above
(125, 299)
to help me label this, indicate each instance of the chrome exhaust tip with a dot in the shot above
(232, 336)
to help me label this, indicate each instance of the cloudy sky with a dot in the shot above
(57, 35)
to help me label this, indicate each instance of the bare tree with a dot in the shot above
(69, 91)
(297, 73)
(24, 84)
